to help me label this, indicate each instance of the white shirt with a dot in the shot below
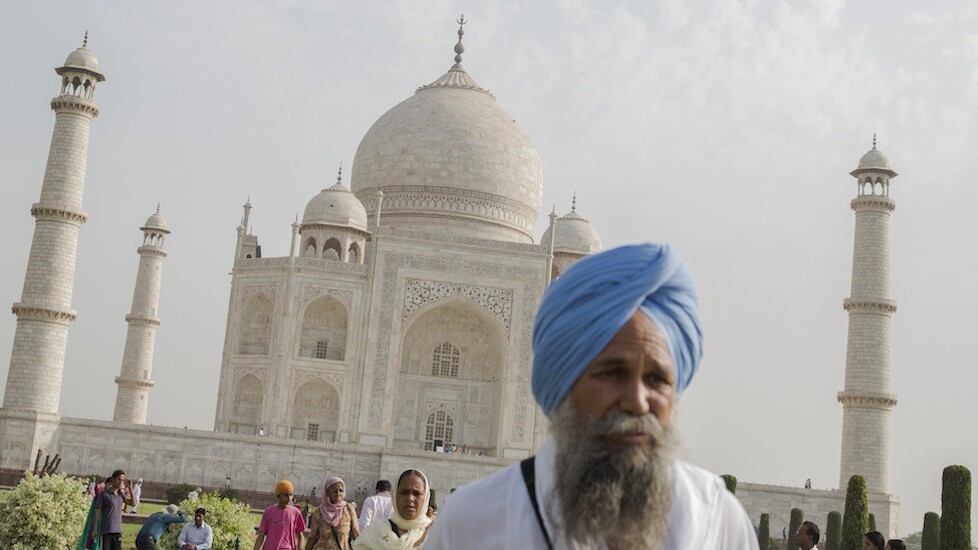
(201, 537)
(377, 507)
(495, 512)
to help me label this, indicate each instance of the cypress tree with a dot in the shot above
(833, 531)
(855, 522)
(931, 537)
(764, 531)
(796, 519)
(956, 509)
(872, 522)
(731, 483)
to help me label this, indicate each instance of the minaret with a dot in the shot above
(44, 310)
(866, 400)
(137, 359)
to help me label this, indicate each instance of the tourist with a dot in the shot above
(335, 523)
(107, 519)
(408, 526)
(874, 540)
(196, 534)
(896, 544)
(192, 495)
(616, 340)
(137, 491)
(156, 524)
(312, 493)
(377, 507)
(807, 535)
(281, 524)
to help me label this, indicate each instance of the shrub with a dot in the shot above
(796, 518)
(731, 483)
(764, 531)
(178, 493)
(956, 509)
(43, 512)
(872, 522)
(855, 522)
(229, 519)
(930, 539)
(833, 531)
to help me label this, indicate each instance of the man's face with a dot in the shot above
(284, 499)
(634, 375)
(118, 482)
(802, 538)
(199, 519)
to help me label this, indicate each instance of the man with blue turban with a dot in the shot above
(616, 341)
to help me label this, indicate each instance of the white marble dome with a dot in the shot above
(156, 221)
(574, 235)
(82, 59)
(451, 161)
(335, 206)
(874, 161)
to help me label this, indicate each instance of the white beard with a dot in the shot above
(621, 496)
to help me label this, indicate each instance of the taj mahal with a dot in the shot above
(397, 331)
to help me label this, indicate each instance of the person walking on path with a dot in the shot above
(377, 507)
(281, 524)
(335, 523)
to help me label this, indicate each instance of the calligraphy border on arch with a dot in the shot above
(393, 262)
(498, 302)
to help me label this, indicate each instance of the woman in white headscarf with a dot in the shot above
(409, 521)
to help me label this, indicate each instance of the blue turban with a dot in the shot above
(586, 306)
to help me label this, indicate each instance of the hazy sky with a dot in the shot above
(726, 128)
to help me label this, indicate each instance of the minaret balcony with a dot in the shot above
(873, 202)
(74, 103)
(879, 400)
(871, 305)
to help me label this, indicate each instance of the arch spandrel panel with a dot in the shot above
(315, 411)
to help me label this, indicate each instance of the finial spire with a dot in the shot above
(459, 47)
(339, 175)
(157, 208)
(574, 202)
(85, 41)
(874, 140)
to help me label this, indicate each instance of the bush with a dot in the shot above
(731, 483)
(930, 539)
(229, 519)
(872, 522)
(178, 493)
(855, 522)
(956, 509)
(796, 519)
(833, 531)
(43, 512)
(764, 531)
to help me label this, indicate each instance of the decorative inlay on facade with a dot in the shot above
(432, 406)
(398, 201)
(520, 381)
(260, 373)
(270, 291)
(437, 237)
(313, 292)
(326, 265)
(304, 375)
(41, 313)
(884, 401)
(55, 213)
(497, 301)
(875, 306)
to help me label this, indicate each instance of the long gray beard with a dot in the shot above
(617, 494)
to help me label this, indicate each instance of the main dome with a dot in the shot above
(451, 161)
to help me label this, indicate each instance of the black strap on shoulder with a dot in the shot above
(528, 468)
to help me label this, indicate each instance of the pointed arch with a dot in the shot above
(309, 247)
(324, 329)
(255, 326)
(246, 405)
(332, 250)
(354, 253)
(315, 411)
